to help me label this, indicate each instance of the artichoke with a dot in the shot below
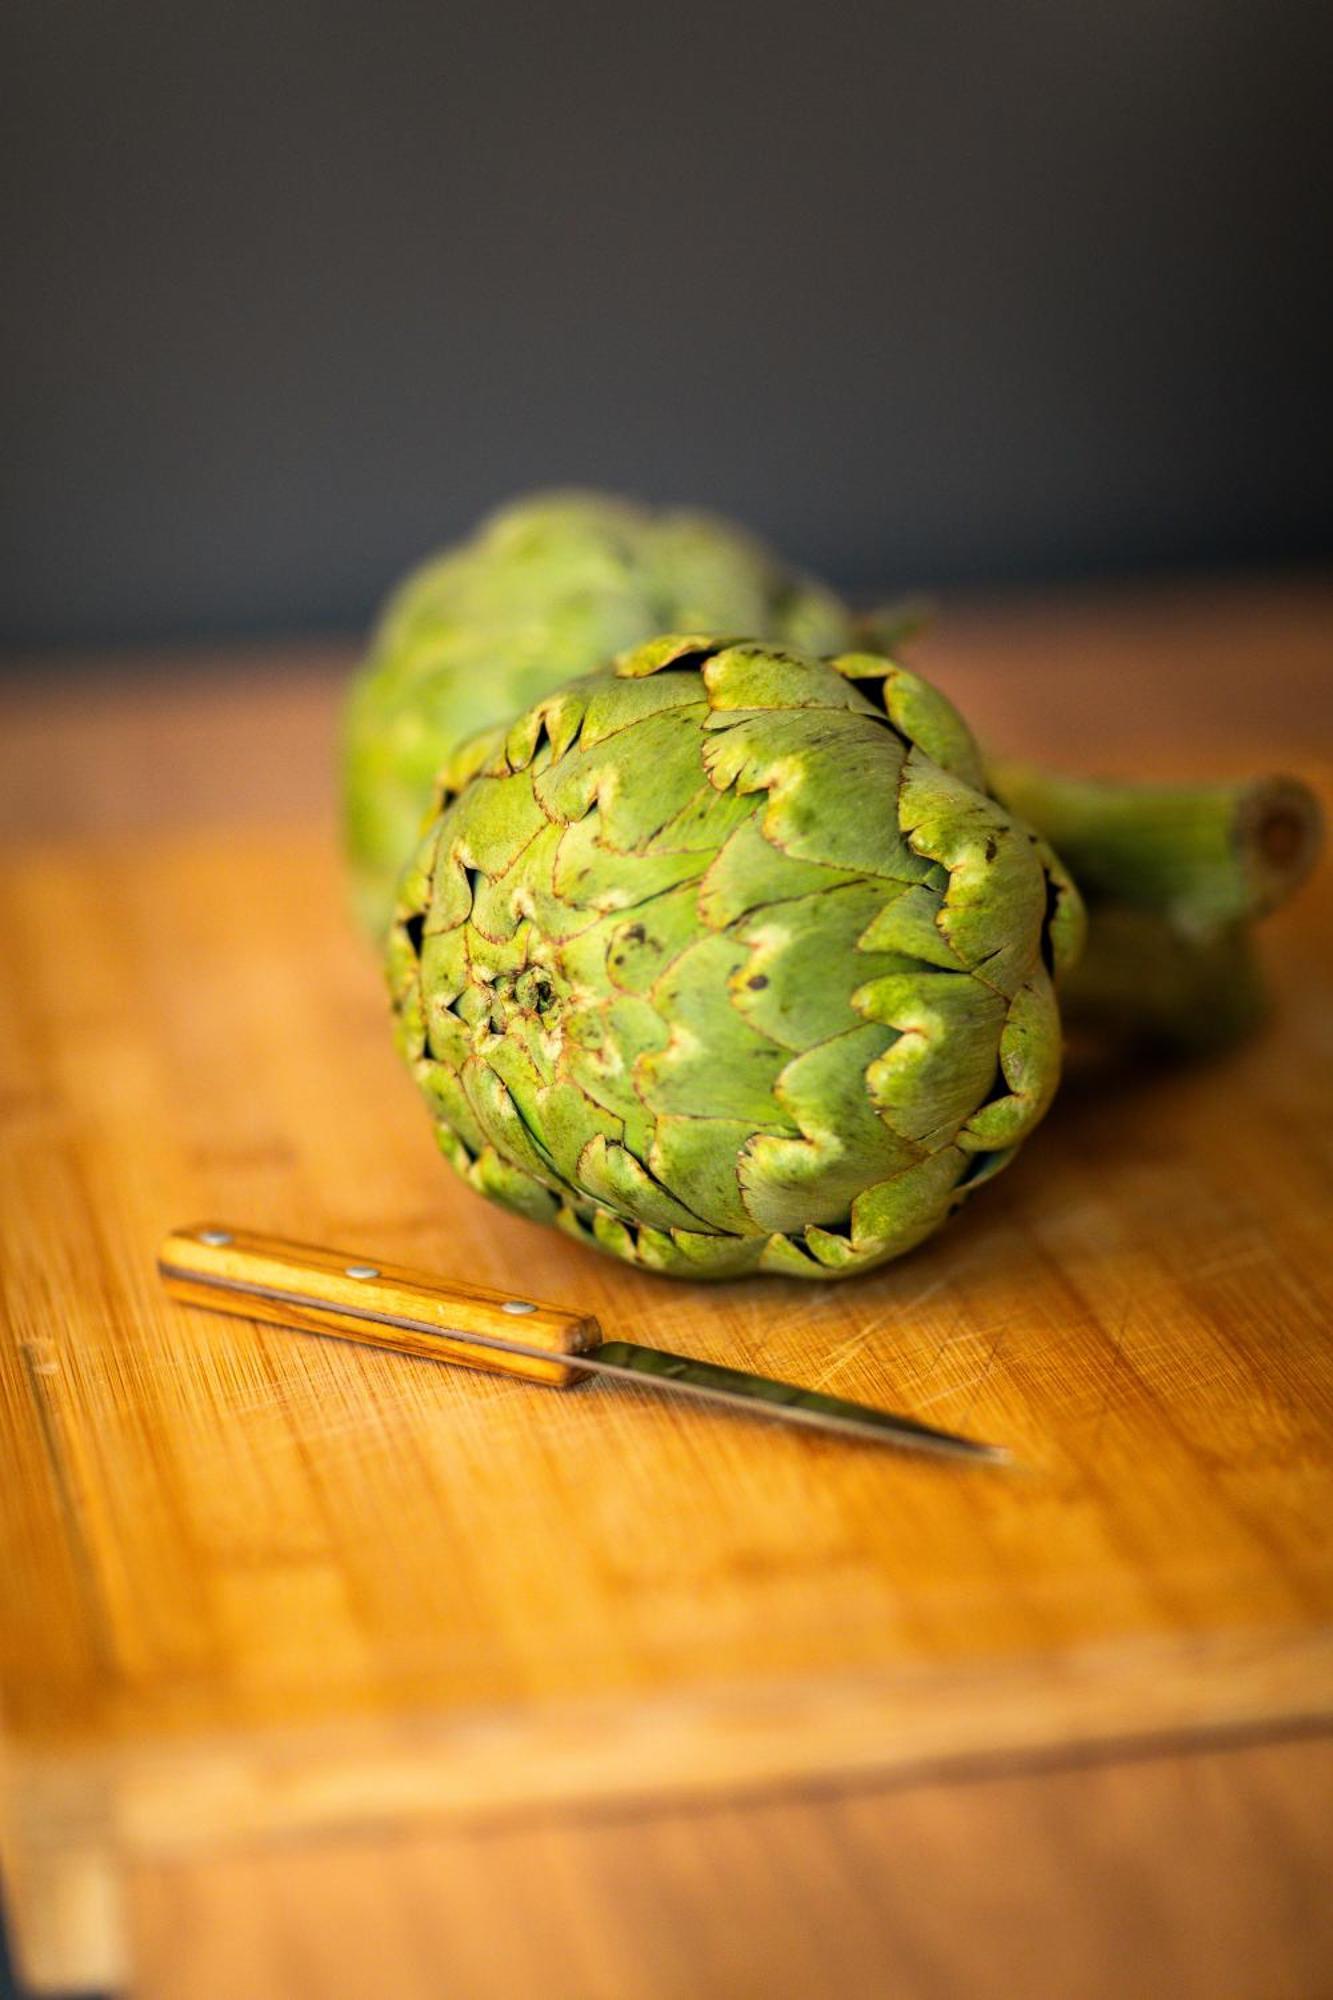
(550, 588)
(730, 958)
(724, 959)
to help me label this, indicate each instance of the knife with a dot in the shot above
(231, 1270)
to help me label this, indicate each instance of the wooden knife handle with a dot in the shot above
(226, 1269)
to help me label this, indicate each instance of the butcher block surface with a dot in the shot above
(261, 1582)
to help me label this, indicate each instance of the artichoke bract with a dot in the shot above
(549, 588)
(724, 959)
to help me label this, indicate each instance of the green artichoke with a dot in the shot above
(724, 959)
(550, 588)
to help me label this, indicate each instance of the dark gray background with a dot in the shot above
(962, 290)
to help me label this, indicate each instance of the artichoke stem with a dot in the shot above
(1203, 857)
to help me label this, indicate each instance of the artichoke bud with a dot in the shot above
(723, 959)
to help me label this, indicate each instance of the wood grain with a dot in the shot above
(262, 1583)
(985, 1888)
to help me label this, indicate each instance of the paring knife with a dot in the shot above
(388, 1305)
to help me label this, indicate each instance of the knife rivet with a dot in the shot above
(215, 1237)
(518, 1306)
(362, 1271)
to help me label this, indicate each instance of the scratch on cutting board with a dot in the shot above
(1108, 1387)
(968, 1387)
(1236, 1257)
(976, 1387)
(953, 1336)
(965, 1386)
(858, 1339)
(834, 1359)
(40, 1362)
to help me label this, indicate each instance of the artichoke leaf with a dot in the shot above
(714, 1065)
(943, 1060)
(755, 679)
(696, 1157)
(806, 961)
(748, 872)
(500, 1180)
(787, 1184)
(612, 1175)
(995, 903)
(909, 922)
(832, 784)
(1029, 1065)
(898, 1213)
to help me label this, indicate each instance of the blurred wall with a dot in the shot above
(927, 292)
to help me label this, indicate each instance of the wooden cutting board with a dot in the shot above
(259, 1582)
